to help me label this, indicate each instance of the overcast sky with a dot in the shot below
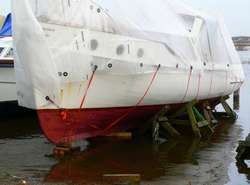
(236, 12)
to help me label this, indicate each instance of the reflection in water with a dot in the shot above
(174, 162)
(123, 157)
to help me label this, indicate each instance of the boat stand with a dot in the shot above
(190, 115)
(122, 179)
(63, 150)
(229, 112)
(209, 115)
(160, 122)
(201, 116)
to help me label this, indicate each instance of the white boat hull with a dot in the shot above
(7, 85)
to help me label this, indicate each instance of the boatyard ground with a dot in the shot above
(24, 155)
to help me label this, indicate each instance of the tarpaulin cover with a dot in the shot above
(6, 30)
(57, 43)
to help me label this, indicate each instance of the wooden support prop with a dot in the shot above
(208, 114)
(200, 125)
(228, 109)
(170, 129)
(193, 120)
(154, 119)
(160, 121)
(163, 119)
(198, 115)
(237, 100)
(121, 179)
(156, 131)
(202, 122)
(67, 149)
(62, 151)
(122, 135)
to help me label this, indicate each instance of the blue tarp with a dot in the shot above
(6, 30)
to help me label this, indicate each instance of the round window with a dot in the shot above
(140, 53)
(120, 50)
(93, 44)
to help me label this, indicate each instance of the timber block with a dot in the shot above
(62, 151)
(170, 129)
(123, 135)
(203, 123)
(228, 109)
(162, 119)
(121, 179)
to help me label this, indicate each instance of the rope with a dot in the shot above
(52, 102)
(149, 86)
(86, 93)
(137, 104)
(188, 83)
(211, 82)
(225, 89)
(88, 86)
(199, 85)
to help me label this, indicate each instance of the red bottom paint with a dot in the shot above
(64, 126)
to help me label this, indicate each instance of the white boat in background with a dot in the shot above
(7, 72)
(93, 67)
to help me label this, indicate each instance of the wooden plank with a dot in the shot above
(203, 123)
(237, 100)
(193, 120)
(227, 108)
(127, 135)
(198, 115)
(170, 129)
(163, 119)
(121, 179)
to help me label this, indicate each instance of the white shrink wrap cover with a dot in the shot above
(59, 43)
